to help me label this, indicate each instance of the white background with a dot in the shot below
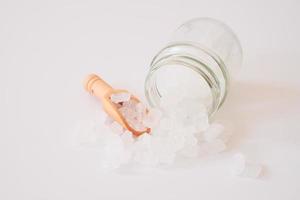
(47, 48)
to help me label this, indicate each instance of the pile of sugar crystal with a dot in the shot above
(183, 131)
(180, 128)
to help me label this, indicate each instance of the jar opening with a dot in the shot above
(178, 81)
(178, 69)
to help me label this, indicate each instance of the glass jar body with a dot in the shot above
(201, 58)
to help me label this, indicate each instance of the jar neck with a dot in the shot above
(197, 58)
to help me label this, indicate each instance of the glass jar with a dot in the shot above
(200, 60)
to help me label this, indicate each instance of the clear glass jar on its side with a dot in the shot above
(200, 60)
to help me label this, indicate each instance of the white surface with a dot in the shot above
(47, 47)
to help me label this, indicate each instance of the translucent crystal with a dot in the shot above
(134, 112)
(170, 100)
(244, 168)
(190, 151)
(178, 141)
(120, 97)
(113, 152)
(252, 170)
(201, 121)
(239, 163)
(141, 110)
(213, 147)
(167, 158)
(152, 118)
(144, 151)
(213, 132)
(129, 105)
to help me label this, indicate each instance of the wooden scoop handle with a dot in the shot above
(96, 86)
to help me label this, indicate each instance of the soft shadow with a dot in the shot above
(251, 103)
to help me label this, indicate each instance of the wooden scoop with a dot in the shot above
(99, 88)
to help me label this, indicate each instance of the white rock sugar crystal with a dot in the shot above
(244, 168)
(191, 148)
(213, 132)
(152, 118)
(181, 130)
(134, 112)
(239, 163)
(120, 97)
(115, 152)
(212, 147)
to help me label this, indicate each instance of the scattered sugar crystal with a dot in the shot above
(239, 163)
(129, 105)
(213, 132)
(134, 112)
(141, 109)
(163, 149)
(244, 168)
(191, 151)
(169, 101)
(190, 140)
(136, 125)
(113, 152)
(152, 118)
(144, 151)
(213, 147)
(177, 140)
(167, 158)
(144, 140)
(190, 106)
(191, 112)
(120, 97)
(182, 130)
(127, 112)
(147, 158)
(228, 131)
(252, 170)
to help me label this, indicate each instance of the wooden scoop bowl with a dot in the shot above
(99, 88)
